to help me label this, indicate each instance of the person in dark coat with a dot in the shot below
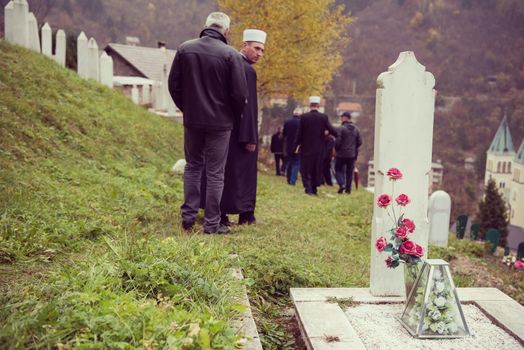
(327, 156)
(277, 148)
(346, 146)
(310, 144)
(208, 84)
(240, 186)
(292, 159)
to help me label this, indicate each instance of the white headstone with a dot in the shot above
(134, 95)
(19, 23)
(106, 69)
(8, 21)
(32, 32)
(47, 40)
(60, 50)
(146, 94)
(93, 63)
(439, 213)
(403, 139)
(158, 95)
(179, 166)
(81, 54)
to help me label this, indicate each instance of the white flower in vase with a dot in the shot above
(440, 301)
(439, 287)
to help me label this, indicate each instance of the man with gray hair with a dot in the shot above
(208, 84)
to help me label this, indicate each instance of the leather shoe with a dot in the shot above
(221, 230)
(187, 225)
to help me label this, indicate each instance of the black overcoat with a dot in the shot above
(310, 140)
(240, 182)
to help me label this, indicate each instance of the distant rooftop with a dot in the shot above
(147, 60)
(502, 142)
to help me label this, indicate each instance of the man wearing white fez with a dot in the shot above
(208, 84)
(240, 184)
(309, 142)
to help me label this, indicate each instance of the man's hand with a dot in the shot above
(251, 147)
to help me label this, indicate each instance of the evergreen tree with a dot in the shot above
(493, 212)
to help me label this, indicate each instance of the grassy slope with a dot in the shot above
(86, 204)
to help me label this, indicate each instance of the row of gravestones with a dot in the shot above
(492, 235)
(21, 28)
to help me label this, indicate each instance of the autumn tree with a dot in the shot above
(304, 45)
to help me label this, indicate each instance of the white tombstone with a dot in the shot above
(47, 40)
(60, 50)
(93, 62)
(106, 69)
(8, 21)
(32, 32)
(146, 94)
(179, 166)
(403, 139)
(81, 54)
(158, 95)
(439, 213)
(134, 95)
(19, 22)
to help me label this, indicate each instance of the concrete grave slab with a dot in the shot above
(324, 325)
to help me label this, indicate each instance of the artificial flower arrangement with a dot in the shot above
(400, 246)
(510, 260)
(440, 314)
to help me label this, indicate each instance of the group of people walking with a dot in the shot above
(215, 87)
(309, 143)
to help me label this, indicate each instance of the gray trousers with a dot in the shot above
(211, 145)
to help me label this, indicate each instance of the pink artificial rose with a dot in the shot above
(389, 262)
(381, 243)
(420, 250)
(403, 199)
(409, 224)
(401, 232)
(519, 265)
(408, 247)
(394, 174)
(383, 200)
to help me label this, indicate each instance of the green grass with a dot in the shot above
(91, 251)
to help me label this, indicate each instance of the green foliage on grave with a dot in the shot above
(493, 212)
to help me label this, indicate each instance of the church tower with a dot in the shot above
(516, 200)
(500, 158)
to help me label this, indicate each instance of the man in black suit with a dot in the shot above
(310, 144)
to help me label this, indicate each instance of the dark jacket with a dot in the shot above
(208, 83)
(310, 134)
(277, 143)
(290, 134)
(348, 141)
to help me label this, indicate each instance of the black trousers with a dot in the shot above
(311, 172)
(344, 168)
(279, 163)
(326, 171)
(213, 147)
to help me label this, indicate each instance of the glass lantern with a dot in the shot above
(433, 308)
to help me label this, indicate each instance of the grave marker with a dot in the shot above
(32, 32)
(60, 51)
(8, 21)
(47, 40)
(81, 54)
(403, 139)
(93, 63)
(106, 70)
(19, 22)
(439, 213)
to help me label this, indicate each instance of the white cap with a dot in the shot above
(314, 99)
(297, 111)
(255, 35)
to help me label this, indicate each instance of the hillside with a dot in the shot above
(92, 255)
